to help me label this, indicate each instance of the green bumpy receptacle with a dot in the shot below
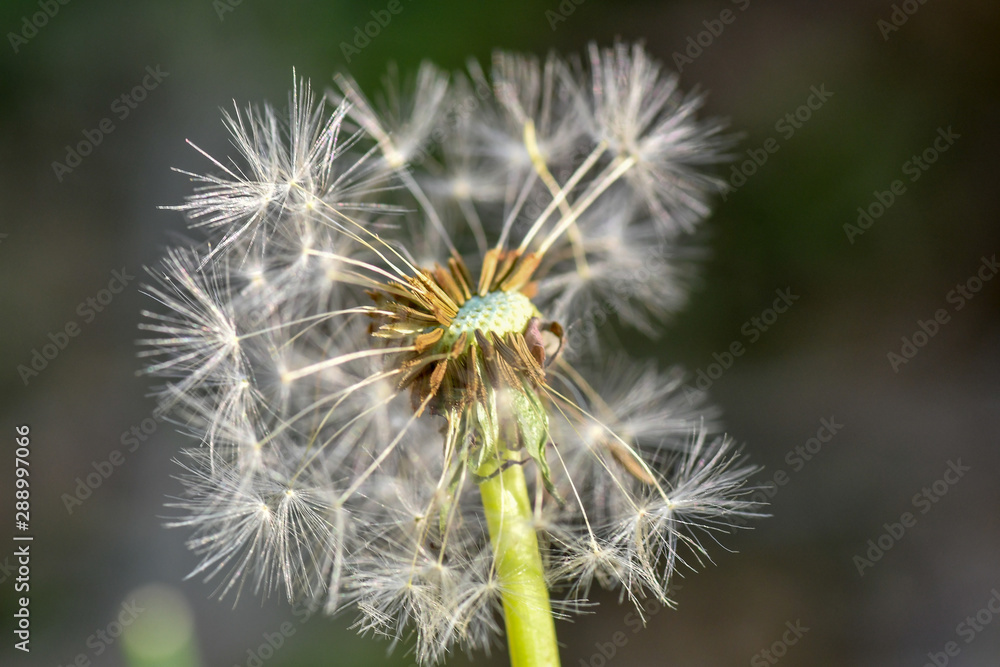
(497, 312)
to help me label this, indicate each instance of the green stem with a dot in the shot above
(531, 630)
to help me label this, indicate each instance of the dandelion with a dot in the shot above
(390, 352)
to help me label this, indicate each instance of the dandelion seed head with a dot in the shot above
(392, 287)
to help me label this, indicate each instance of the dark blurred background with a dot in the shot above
(900, 76)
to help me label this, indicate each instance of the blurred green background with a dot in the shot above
(64, 234)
